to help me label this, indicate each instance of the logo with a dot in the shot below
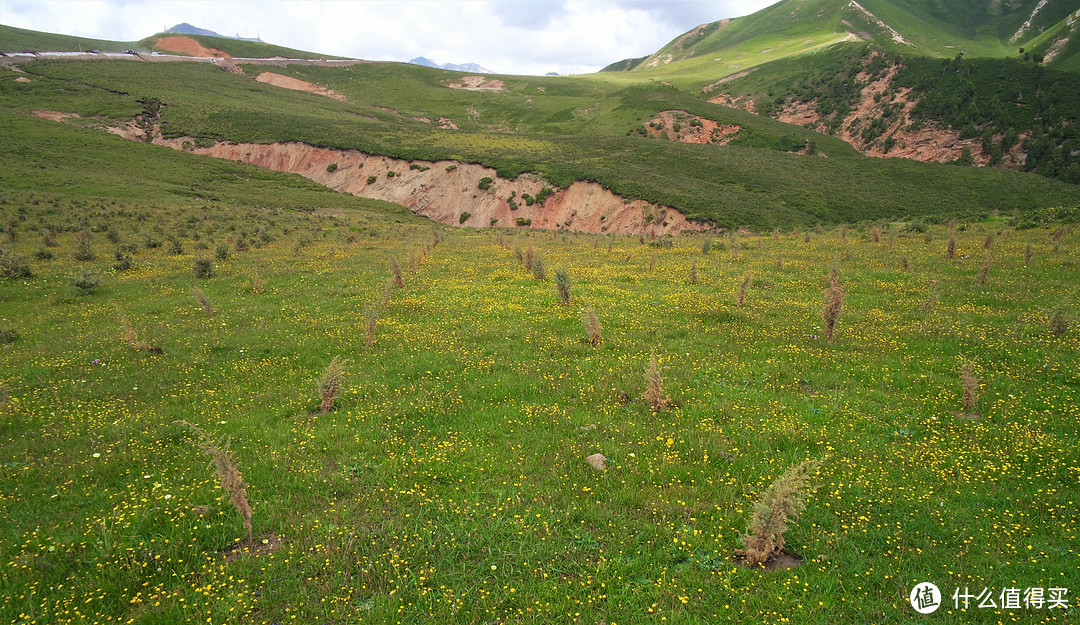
(925, 598)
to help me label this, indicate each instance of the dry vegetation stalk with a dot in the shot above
(562, 285)
(743, 285)
(593, 329)
(654, 387)
(204, 301)
(228, 475)
(970, 384)
(330, 383)
(779, 507)
(834, 305)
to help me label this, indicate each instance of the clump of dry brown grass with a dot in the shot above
(834, 305)
(257, 285)
(228, 475)
(654, 387)
(740, 295)
(330, 383)
(1027, 255)
(131, 337)
(1059, 321)
(692, 277)
(984, 271)
(204, 301)
(875, 234)
(778, 508)
(970, 385)
(395, 272)
(950, 249)
(593, 329)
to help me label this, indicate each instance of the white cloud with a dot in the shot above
(507, 36)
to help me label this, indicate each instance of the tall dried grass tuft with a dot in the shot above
(692, 276)
(1027, 255)
(950, 249)
(387, 292)
(330, 383)
(834, 305)
(257, 284)
(228, 475)
(562, 284)
(395, 272)
(741, 293)
(204, 301)
(875, 234)
(654, 387)
(905, 263)
(970, 384)
(131, 337)
(1059, 321)
(538, 269)
(984, 271)
(779, 507)
(593, 329)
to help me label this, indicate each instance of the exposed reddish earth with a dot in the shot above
(187, 45)
(928, 143)
(444, 190)
(288, 82)
(476, 83)
(692, 128)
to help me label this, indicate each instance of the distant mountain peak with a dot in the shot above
(184, 28)
(465, 67)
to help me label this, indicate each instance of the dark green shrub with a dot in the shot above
(14, 266)
(523, 221)
(221, 252)
(463, 217)
(485, 183)
(85, 282)
(201, 267)
(331, 168)
(372, 179)
(8, 336)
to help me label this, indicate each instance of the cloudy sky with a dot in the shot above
(506, 36)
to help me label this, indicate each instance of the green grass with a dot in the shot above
(450, 483)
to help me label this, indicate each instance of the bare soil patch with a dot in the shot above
(688, 128)
(267, 543)
(55, 116)
(288, 82)
(783, 560)
(187, 45)
(477, 83)
(22, 79)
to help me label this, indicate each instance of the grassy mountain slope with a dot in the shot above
(239, 48)
(564, 129)
(21, 40)
(935, 28)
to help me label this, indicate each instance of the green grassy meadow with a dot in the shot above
(449, 484)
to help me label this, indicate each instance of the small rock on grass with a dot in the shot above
(597, 461)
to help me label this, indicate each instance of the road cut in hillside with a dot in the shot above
(450, 192)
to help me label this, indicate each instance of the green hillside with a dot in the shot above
(935, 28)
(21, 40)
(563, 129)
(239, 48)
